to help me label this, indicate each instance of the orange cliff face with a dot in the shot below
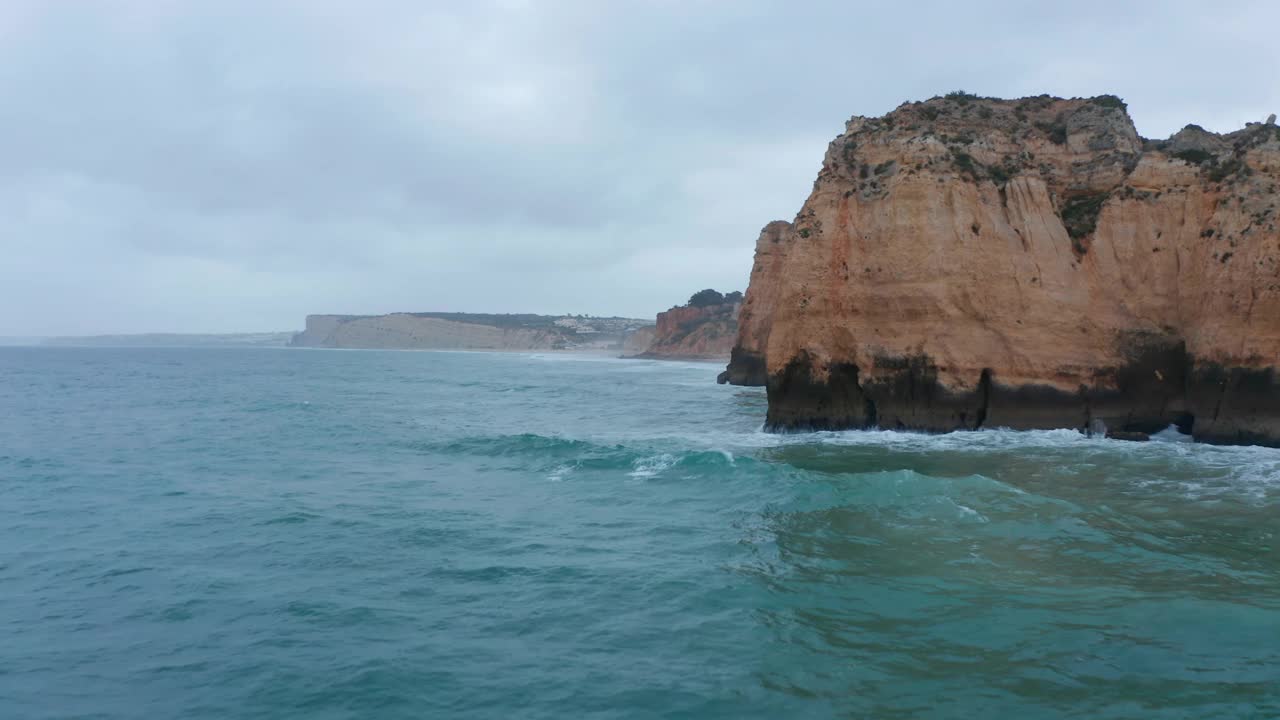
(968, 262)
(695, 333)
(746, 363)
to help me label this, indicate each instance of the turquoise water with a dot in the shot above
(337, 534)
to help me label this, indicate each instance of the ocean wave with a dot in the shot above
(1191, 469)
(1254, 463)
(517, 444)
(558, 458)
(648, 467)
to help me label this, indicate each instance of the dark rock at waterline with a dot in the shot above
(746, 367)
(1161, 386)
(1131, 435)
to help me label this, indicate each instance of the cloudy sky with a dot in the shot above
(228, 166)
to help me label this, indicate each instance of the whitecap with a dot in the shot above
(1171, 434)
(559, 472)
(648, 467)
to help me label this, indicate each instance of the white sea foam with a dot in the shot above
(969, 512)
(559, 472)
(574, 356)
(1189, 469)
(648, 467)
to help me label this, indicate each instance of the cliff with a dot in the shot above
(466, 331)
(638, 342)
(691, 332)
(970, 262)
(746, 363)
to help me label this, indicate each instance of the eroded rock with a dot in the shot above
(970, 262)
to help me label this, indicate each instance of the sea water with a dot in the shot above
(221, 533)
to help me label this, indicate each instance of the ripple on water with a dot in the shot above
(474, 536)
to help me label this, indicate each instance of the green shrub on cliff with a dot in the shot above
(1195, 156)
(706, 298)
(849, 151)
(1108, 101)
(1080, 216)
(964, 163)
(1230, 168)
(1056, 130)
(962, 97)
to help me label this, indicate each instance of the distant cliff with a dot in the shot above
(703, 329)
(638, 341)
(970, 262)
(466, 331)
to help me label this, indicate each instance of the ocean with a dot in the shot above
(269, 533)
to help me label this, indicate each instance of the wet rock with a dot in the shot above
(1130, 435)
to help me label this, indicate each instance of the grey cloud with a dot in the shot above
(232, 166)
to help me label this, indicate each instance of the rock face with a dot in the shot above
(695, 333)
(969, 262)
(465, 331)
(638, 341)
(746, 363)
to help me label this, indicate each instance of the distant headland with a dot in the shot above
(702, 329)
(469, 331)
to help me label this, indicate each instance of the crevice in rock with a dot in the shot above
(984, 398)
(1088, 414)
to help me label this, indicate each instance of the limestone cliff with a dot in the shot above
(691, 332)
(746, 364)
(638, 341)
(967, 262)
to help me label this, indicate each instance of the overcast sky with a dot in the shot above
(234, 166)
